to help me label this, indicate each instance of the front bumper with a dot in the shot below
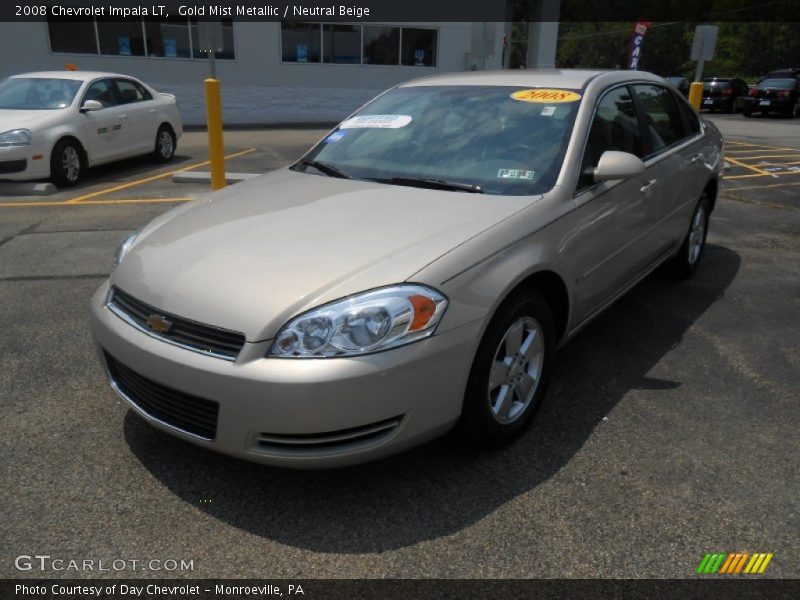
(303, 412)
(23, 163)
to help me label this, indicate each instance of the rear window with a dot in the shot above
(781, 84)
(717, 85)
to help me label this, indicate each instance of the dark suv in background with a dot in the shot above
(778, 93)
(723, 93)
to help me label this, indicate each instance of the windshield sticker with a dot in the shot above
(514, 174)
(548, 111)
(376, 122)
(546, 96)
(335, 136)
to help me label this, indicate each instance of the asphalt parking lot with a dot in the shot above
(670, 429)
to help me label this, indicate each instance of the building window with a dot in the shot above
(72, 36)
(354, 44)
(227, 41)
(381, 45)
(171, 38)
(419, 47)
(300, 42)
(341, 44)
(121, 38)
(168, 38)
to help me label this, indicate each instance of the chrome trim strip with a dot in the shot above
(140, 411)
(117, 310)
(310, 442)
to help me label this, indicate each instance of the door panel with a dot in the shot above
(615, 218)
(107, 131)
(141, 113)
(673, 158)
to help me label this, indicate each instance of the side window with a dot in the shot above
(663, 119)
(692, 120)
(615, 127)
(103, 91)
(129, 91)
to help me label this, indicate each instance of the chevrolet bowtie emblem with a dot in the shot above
(159, 323)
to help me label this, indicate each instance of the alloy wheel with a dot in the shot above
(516, 370)
(697, 234)
(165, 146)
(71, 164)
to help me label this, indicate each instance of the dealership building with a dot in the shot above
(271, 72)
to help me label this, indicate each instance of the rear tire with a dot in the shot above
(67, 163)
(510, 372)
(688, 258)
(164, 150)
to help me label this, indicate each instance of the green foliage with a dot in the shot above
(745, 50)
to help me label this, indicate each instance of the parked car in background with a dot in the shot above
(723, 93)
(681, 84)
(774, 94)
(442, 243)
(781, 73)
(58, 124)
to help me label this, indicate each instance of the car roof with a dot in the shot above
(719, 78)
(75, 75)
(556, 78)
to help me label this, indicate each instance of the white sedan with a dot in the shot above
(58, 124)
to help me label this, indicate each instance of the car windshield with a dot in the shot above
(782, 84)
(37, 93)
(496, 140)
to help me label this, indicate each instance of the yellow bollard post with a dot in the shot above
(214, 118)
(696, 94)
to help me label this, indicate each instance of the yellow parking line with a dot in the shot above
(743, 176)
(746, 166)
(136, 182)
(770, 186)
(92, 202)
(795, 155)
(757, 145)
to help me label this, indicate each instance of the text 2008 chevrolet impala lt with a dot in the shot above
(416, 270)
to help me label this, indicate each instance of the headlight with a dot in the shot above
(15, 137)
(123, 248)
(369, 322)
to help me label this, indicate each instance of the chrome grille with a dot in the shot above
(205, 339)
(188, 413)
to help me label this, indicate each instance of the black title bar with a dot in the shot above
(407, 10)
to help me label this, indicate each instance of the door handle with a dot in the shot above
(646, 187)
(152, 110)
(123, 116)
(695, 158)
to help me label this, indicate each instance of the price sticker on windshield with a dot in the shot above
(546, 96)
(376, 122)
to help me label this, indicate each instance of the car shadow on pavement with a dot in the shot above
(441, 488)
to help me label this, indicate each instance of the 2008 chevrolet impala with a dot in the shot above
(416, 270)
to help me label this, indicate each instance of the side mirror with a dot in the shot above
(91, 106)
(617, 165)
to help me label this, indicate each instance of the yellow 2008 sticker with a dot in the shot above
(548, 96)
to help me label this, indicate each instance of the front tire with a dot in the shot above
(686, 262)
(164, 150)
(66, 163)
(510, 372)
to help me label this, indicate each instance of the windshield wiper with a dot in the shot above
(434, 184)
(329, 170)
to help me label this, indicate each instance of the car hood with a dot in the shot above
(253, 255)
(29, 119)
